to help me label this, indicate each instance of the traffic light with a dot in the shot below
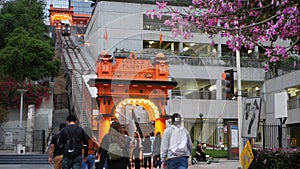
(228, 84)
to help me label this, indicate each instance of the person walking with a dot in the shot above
(147, 151)
(152, 138)
(176, 145)
(127, 151)
(136, 150)
(73, 139)
(117, 143)
(92, 149)
(103, 153)
(156, 151)
(55, 152)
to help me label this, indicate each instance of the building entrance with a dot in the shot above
(132, 90)
(137, 114)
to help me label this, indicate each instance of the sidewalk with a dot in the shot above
(223, 164)
(218, 164)
(26, 166)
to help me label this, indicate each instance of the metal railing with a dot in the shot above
(274, 135)
(204, 94)
(170, 2)
(202, 59)
(160, 26)
(294, 103)
(156, 26)
(283, 70)
(194, 94)
(213, 61)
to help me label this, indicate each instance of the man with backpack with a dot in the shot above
(55, 152)
(73, 139)
(176, 145)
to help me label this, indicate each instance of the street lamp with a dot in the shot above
(201, 125)
(22, 91)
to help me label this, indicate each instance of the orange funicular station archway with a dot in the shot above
(56, 15)
(126, 83)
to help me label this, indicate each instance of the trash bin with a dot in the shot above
(20, 149)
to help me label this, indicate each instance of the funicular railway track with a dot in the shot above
(74, 66)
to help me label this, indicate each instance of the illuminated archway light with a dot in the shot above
(61, 17)
(149, 106)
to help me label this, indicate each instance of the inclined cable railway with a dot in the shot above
(75, 65)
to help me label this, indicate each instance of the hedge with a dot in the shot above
(276, 159)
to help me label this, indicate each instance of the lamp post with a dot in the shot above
(239, 101)
(22, 91)
(201, 126)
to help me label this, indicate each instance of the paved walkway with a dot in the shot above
(26, 166)
(219, 164)
(216, 164)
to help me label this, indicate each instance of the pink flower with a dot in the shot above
(161, 5)
(266, 67)
(274, 59)
(268, 52)
(296, 48)
(152, 14)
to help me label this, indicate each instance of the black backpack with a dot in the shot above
(73, 146)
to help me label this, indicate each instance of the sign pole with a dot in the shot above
(239, 100)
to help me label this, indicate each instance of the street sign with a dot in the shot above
(251, 114)
(246, 156)
(281, 100)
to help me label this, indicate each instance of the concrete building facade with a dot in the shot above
(123, 25)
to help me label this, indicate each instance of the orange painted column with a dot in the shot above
(160, 125)
(104, 125)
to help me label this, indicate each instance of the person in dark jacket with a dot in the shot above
(156, 150)
(103, 153)
(147, 151)
(200, 153)
(92, 149)
(136, 150)
(127, 149)
(55, 152)
(73, 132)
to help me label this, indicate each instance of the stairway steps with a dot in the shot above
(59, 116)
(24, 159)
(146, 128)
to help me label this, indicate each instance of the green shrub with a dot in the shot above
(217, 153)
(276, 159)
(214, 153)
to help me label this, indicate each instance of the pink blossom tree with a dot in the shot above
(245, 23)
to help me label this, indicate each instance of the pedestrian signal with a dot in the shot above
(228, 84)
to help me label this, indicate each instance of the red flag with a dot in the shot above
(160, 38)
(106, 35)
